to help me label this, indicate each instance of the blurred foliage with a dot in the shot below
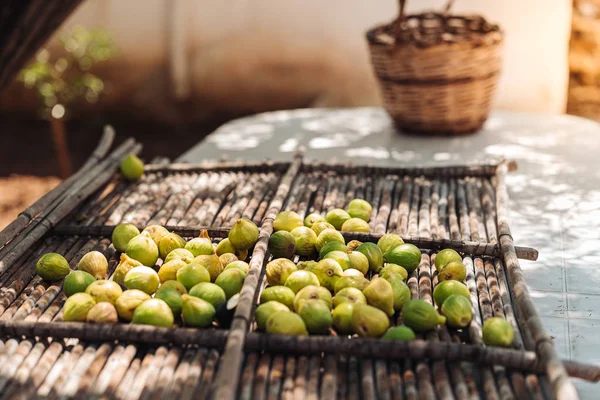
(63, 81)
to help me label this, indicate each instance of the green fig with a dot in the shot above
(403, 333)
(225, 247)
(373, 254)
(312, 219)
(103, 290)
(153, 312)
(316, 316)
(287, 221)
(126, 264)
(191, 275)
(342, 318)
(454, 270)
(210, 292)
(356, 225)
(173, 284)
(445, 289)
(281, 294)
(285, 323)
(197, 312)
(231, 281)
(52, 267)
(179, 254)
(173, 299)
(156, 233)
(328, 236)
(143, 278)
(143, 249)
(265, 310)
(132, 168)
(498, 332)
(300, 279)
(332, 246)
(320, 226)
(328, 272)
(359, 282)
(168, 243)
(305, 240)
(340, 257)
(359, 208)
(306, 265)
(444, 257)
(359, 262)
(102, 313)
(337, 217)
(457, 310)
(211, 263)
(243, 235)
(379, 293)
(369, 321)
(349, 294)
(168, 271)
(420, 316)
(282, 244)
(241, 265)
(76, 307)
(393, 269)
(401, 293)
(406, 255)
(311, 293)
(122, 234)
(129, 301)
(353, 272)
(278, 270)
(200, 246)
(77, 282)
(389, 241)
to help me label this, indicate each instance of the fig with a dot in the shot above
(210, 292)
(52, 267)
(129, 301)
(498, 332)
(156, 232)
(278, 270)
(143, 249)
(265, 310)
(454, 270)
(445, 289)
(231, 281)
(282, 244)
(143, 278)
(312, 219)
(379, 293)
(192, 274)
(420, 316)
(305, 240)
(287, 221)
(356, 225)
(340, 257)
(328, 236)
(200, 247)
(444, 257)
(373, 254)
(332, 246)
(320, 226)
(132, 168)
(300, 279)
(168, 271)
(353, 272)
(337, 217)
(224, 247)
(102, 313)
(399, 333)
(316, 316)
(342, 318)
(243, 234)
(406, 255)
(359, 208)
(126, 264)
(369, 321)
(227, 259)
(153, 312)
(393, 270)
(457, 310)
(179, 254)
(353, 245)
(122, 234)
(349, 294)
(359, 262)
(285, 323)
(197, 312)
(173, 299)
(173, 284)
(401, 293)
(77, 282)
(241, 265)
(302, 265)
(77, 307)
(282, 294)
(170, 242)
(389, 241)
(328, 272)
(211, 263)
(358, 282)
(104, 290)
(312, 292)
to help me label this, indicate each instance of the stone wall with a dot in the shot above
(584, 60)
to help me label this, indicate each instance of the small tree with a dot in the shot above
(63, 81)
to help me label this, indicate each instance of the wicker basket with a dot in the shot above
(438, 72)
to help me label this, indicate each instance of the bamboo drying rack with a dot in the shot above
(462, 207)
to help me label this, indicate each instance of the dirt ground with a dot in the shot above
(17, 192)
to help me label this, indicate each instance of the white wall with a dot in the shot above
(254, 55)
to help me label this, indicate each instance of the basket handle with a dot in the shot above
(402, 14)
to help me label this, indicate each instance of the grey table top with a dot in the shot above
(555, 193)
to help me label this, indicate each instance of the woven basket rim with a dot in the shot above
(494, 36)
